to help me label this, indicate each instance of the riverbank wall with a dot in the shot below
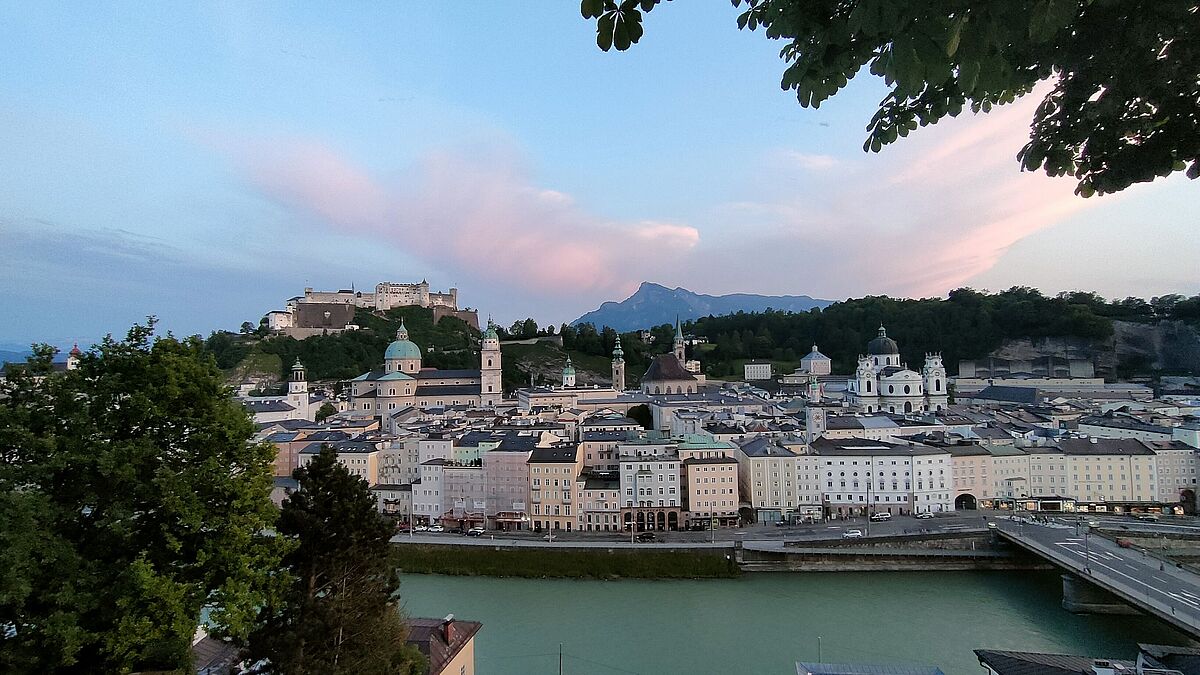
(595, 562)
(944, 551)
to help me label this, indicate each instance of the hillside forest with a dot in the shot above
(966, 324)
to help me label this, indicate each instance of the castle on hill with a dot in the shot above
(318, 312)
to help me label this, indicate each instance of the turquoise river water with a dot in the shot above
(764, 623)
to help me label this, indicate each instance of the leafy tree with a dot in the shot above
(529, 328)
(325, 411)
(641, 415)
(247, 328)
(1124, 108)
(340, 613)
(130, 500)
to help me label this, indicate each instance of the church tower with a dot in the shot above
(618, 367)
(680, 353)
(568, 374)
(297, 395)
(73, 357)
(490, 390)
(814, 422)
(934, 376)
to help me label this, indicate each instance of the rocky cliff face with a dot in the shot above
(1170, 346)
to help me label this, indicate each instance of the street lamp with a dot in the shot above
(1087, 551)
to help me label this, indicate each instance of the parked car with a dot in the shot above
(456, 530)
(436, 528)
(852, 534)
(1148, 517)
(403, 529)
(924, 515)
(421, 528)
(475, 532)
(645, 536)
(881, 516)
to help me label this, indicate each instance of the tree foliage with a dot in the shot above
(1125, 102)
(340, 613)
(130, 500)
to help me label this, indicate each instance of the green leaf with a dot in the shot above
(621, 36)
(604, 32)
(591, 9)
(955, 35)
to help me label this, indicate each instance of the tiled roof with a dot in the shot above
(433, 373)
(429, 635)
(1032, 663)
(1103, 446)
(665, 367)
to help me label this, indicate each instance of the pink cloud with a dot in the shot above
(486, 220)
(924, 216)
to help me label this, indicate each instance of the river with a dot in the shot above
(764, 623)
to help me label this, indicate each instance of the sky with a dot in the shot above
(203, 163)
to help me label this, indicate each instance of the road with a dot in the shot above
(1143, 580)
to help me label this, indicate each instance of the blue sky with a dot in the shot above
(203, 163)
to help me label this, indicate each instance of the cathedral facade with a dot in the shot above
(404, 383)
(881, 383)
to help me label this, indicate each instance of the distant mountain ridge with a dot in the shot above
(653, 304)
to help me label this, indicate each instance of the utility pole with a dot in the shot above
(560, 658)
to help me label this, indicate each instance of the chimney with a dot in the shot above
(448, 629)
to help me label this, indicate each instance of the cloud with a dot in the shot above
(807, 161)
(479, 216)
(918, 219)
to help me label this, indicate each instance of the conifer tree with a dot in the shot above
(340, 613)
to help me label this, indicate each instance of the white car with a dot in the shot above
(880, 517)
(924, 515)
(852, 534)
(436, 528)
(421, 528)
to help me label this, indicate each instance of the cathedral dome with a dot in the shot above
(402, 347)
(882, 344)
(568, 369)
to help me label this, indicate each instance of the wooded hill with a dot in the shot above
(967, 324)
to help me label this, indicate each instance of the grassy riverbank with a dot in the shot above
(545, 562)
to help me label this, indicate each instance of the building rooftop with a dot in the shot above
(861, 447)
(1103, 446)
(440, 640)
(563, 454)
(1032, 663)
(805, 668)
(665, 367)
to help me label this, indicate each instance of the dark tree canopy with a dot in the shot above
(130, 500)
(340, 613)
(1125, 103)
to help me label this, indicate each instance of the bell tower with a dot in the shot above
(618, 366)
(680, 353)
(490, 390)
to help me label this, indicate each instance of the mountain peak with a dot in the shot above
(654, 304)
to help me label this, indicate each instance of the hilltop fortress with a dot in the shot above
(316, 312)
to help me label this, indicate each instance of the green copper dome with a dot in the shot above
(618, 353)
(490, 333)
(402, 347)
(568, 369)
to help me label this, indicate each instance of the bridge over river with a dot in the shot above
(1141, 580)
